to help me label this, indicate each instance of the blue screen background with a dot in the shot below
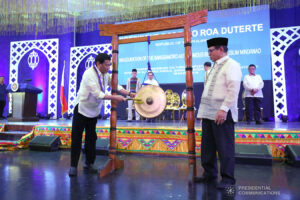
(248, 30)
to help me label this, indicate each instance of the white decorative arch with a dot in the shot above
(76, 56)
(50, 49)
(281, 39)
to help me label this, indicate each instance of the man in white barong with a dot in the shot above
(218, 111)
(253, 85)
(90, 98)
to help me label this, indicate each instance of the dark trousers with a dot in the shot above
(80, 123)
(251, 102)
(2, 105)
(218, 138)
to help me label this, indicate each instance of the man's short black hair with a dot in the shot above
(134, 70)
(208, 64)
(251, 65)
(150, 72)
(101, 57)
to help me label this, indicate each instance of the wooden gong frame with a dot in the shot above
(116, 30)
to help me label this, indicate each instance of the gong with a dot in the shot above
(153, 100)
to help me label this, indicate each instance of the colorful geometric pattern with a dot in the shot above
(198, 146)
(124, 142)
(171, 144)
(63, 132)
(20, 144)
(173, 141)
(147, 143)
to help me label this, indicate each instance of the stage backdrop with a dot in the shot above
(82, 58)
(37, 60)
(16, 57)
(248, 32)
(285, 68)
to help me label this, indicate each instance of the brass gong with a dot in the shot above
(154, 101)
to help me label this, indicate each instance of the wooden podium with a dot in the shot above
(24, 101)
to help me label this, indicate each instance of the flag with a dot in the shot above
(63, 101)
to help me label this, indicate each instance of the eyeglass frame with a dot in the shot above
(211, 50)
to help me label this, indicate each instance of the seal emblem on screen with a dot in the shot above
(14, 86)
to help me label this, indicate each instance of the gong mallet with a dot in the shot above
(136, 100)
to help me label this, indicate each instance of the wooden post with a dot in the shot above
(114, 85)
(190, 101)
(113, 163)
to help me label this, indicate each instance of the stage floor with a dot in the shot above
(279, 126)
(27, 175)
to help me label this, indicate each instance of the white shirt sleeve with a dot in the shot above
(92, 87)
(261, 83)
(246, 83)
(154, 82)
(233, 81)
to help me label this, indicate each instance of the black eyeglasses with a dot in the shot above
(211, 50)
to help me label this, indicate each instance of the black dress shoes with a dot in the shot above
(73, 171)
(90, 169)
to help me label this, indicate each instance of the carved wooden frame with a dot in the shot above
(115, 30)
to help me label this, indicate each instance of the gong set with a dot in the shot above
(150, 101)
